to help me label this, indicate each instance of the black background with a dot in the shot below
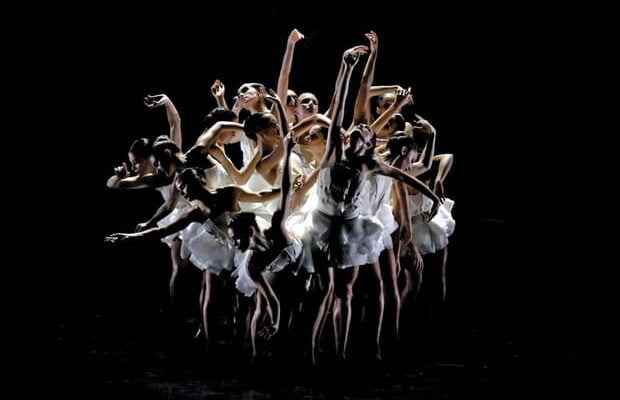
(511, 310)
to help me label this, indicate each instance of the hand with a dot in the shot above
(237, 106)
(373, 40)
(218, 89)
(428, 216)
(122, 171)
(403, 97)
(295, 36)
(271, 96)
(117, 238)
(351, 56)
(418, 261)
(155, 101)
(143, 226)
(439, 190)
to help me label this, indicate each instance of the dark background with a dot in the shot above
(513, 319)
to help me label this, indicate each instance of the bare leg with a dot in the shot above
(392, 289)
(258, 310)
(443, 273)
(206, 299)
(272, 301)
(325, 303)
(345, 279)
(177, 262)
(380, 296)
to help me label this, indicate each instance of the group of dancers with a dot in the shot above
(313, 205)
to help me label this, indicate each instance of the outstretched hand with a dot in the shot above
(116, 238)
(122, 171)
(154, 101)
(404, 97)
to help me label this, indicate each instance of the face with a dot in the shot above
(308, 105)
(385, 102)
(248, 95)
(292, 100)
(189, 190)
(140, 165)
(312, 138)
(410, 154)
(360, 140)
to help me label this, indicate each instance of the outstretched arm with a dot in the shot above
(174, 120)
(138, 181)
(381, 90)
(334, 145)
(362, 106)
(395, 173)
(217, 91)
(191, 214)
(287, 62)
(402, 97)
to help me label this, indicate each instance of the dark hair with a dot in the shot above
(216, 115)
(396, 143)
(242, 222)
(141, 148)
(257, 122)
(191, 176)
(399, 120)
(166, 150)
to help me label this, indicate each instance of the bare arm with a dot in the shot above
(209, 137)
(305, 185)
(402, 97)
(307, 123)
(174, 120)
(334, 145)
(398, 174)
(191, 214)
(238, 176)
(381, 90)
(138, 182)
(218, 90)
(287, 63)
(259, 197)
(165, 209)
(332, 104)
(428, 153)
(362, 107)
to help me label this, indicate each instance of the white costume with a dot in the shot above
(432, 236)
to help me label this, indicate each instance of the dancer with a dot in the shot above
(347, 237)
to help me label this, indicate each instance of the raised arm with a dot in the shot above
(287, 62)
(334, 145)
(217, 91)
(329, 113)
(361, 112)
(174, 120)
(209, 137)
(402, 97)
(193, 213)
(381, 90)
(307, 123)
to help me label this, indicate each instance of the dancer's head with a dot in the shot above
(167, 155)
(361, 141)
(292, 101)
(141, 156)
(315, 137)
(242, 228)
(251, 96)
(263, 124)
(308, 105)
(384, 102)
(190, 183)
(403, 146)
(220, 114)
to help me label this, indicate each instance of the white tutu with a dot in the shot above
(209, 246)
(288, 257)
(347, 242)
(432, 236)
(375, 200)
(167, 192)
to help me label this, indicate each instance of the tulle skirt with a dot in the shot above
(432, 236)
